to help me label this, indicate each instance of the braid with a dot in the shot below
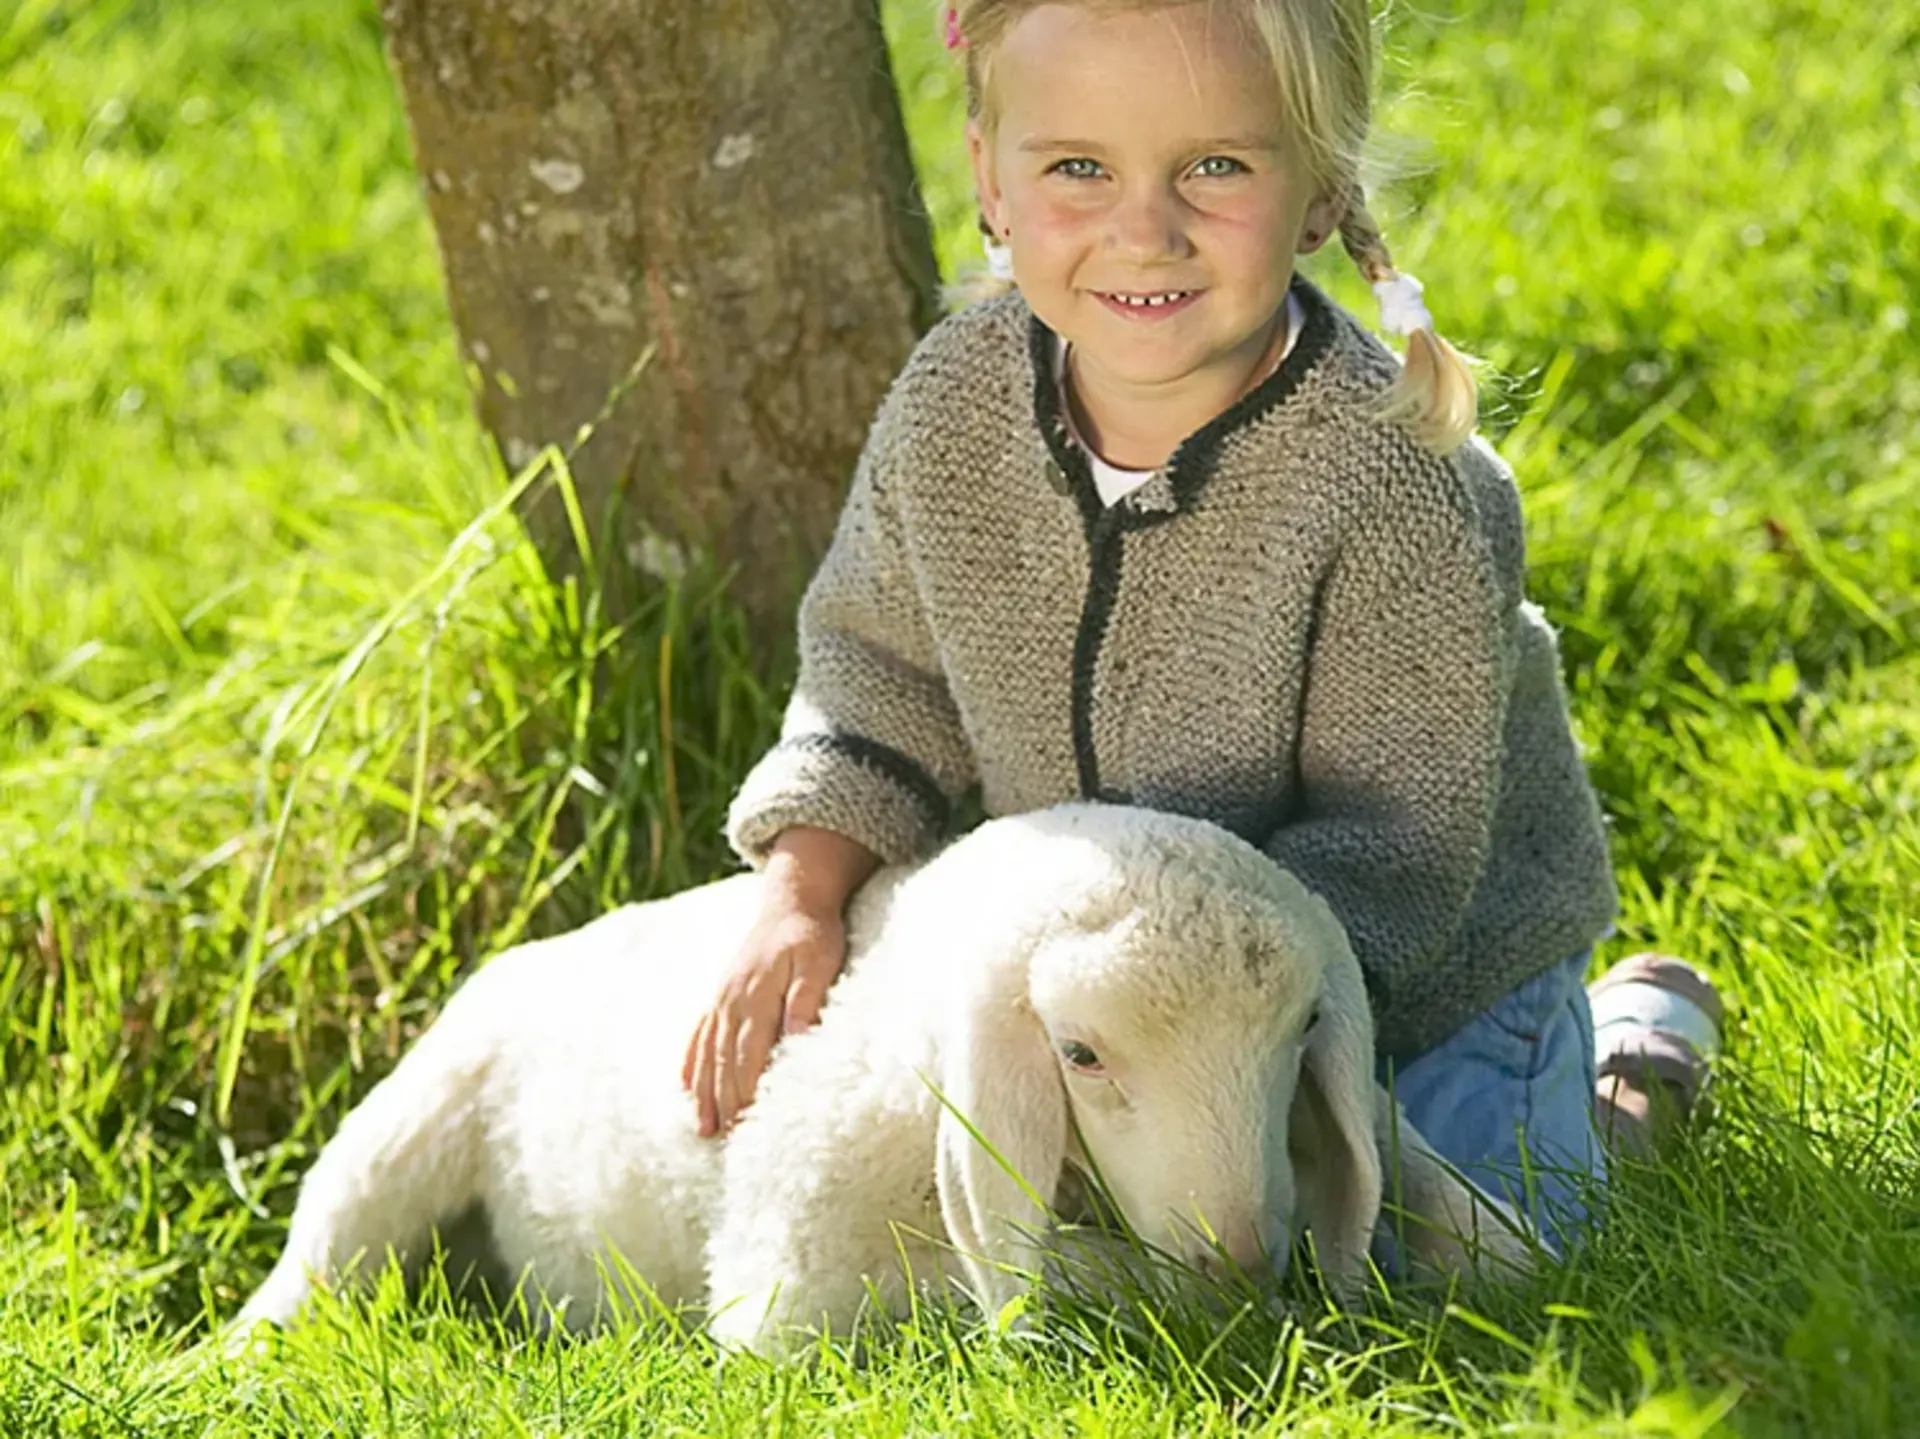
(1435, 397)
(1361, 238)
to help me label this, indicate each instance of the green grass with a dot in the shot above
(293, 730)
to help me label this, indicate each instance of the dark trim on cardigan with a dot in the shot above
(1103, 534)
(883, 760)
(1104, 548)
(1188, 470)
(1192, 464)
(1068, 457)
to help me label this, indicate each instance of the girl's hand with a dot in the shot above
(790, 959)
(778, 984)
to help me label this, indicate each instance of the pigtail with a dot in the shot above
(1435, 397)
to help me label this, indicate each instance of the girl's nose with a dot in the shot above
(1145, 226)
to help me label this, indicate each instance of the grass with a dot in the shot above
(293, 730)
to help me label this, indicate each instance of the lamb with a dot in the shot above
(1090, 989)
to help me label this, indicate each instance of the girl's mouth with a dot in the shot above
(1146, 305)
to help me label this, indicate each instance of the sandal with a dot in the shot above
(1654, 1014)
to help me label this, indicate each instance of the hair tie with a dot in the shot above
(955, 40)
(1402, 311)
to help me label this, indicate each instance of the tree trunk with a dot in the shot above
(716, 191)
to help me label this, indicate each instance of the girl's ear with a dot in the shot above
(1003, 1135)
(986, 180)
(1322, 219)
(1331, 1132)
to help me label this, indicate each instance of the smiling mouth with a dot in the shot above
(1148, 302)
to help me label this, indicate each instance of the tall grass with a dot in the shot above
(294, 730)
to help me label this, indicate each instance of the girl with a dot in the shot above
(1165, 526)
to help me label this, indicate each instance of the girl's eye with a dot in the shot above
(1080, 1056)
(1218, 167)
(1078, 167)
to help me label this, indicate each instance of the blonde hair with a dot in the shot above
(1322, 54)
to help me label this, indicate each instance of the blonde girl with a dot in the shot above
(1163, 525)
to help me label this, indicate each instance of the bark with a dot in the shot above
(720, 187)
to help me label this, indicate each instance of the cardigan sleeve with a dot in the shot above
(871, 746)
(1402, 736)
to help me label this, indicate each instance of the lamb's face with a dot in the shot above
(1180, 1038)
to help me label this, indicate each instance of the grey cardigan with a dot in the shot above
(1306, 628)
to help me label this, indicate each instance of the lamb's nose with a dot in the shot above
(1220, 1267)
(1235, 1248)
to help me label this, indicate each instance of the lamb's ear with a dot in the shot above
(1444, 1223)
(1336, 1161)
(1002, 1135)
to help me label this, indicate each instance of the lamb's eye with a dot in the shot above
(1313, 1021)
(1080, 1056)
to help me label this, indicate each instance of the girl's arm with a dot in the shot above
(871, 757)
(872, 746)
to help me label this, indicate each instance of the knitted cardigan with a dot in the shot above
(1306, 628)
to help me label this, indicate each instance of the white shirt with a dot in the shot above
(1114, 483)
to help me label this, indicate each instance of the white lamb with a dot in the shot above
(1092, 988)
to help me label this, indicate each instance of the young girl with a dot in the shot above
(1165, 526)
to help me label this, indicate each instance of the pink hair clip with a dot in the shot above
(955, 40)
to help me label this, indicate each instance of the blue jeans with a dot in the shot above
(1508, 1100)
